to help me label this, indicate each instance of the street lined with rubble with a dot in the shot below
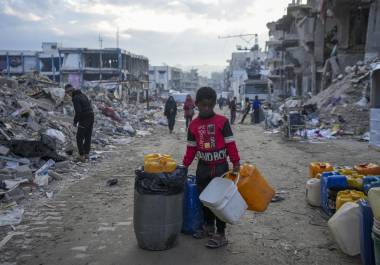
(89, 222)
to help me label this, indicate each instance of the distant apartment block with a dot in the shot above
(164, 78)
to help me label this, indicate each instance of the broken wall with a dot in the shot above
(72, 61)
(30, 64)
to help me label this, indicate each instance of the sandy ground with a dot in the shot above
(91, 223)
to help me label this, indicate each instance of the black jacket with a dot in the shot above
(170, 107)
(82, 107)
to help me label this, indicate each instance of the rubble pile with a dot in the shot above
(37, 136)
(344, 105)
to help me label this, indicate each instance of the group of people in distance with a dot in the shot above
(189, 110)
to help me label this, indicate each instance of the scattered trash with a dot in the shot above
(56, 135)
(365, 137)
(112, 182)
(12, 216)
(42, 175)
(49, 195)
(277, 198)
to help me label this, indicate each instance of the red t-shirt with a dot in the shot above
(211, 140)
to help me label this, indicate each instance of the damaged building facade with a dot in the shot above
(46, 62)
(164, 78)
(82, 65)
(78, 66)
(316, 40)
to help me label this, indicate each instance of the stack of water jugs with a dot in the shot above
(351, 197)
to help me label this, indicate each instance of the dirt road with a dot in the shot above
(91, 223)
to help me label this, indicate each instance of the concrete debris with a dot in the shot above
(344, 104)
(365, 137)
(4, 150)
(36, 128)
(12, 216)
(58, 135)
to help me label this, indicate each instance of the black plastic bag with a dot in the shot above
(161, 183)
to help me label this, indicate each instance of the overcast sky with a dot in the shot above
(173, 32)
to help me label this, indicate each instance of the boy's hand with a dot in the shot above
(236, 169)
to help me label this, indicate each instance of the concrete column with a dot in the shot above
(60, 67)
(52, 66)
(101, 65)
(313, 67)
(22, 63)
(373, 32)
(8, 67)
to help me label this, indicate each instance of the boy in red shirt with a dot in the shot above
(210, 138)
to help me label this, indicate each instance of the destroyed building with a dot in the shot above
(190, 80)
(46, 62)
(164, 78)
(81, 65)
(316, 40)
(78, 66)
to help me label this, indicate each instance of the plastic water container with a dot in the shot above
(376, 246)
(319, 167)
(370, 182)
(157, 220)
(374, 200)
(347, 171)
(159, 163)
(255, 190)
(330, 185)
(345, 196)
(355, 181)
(313, 192)
(368, 169)
(345, 227)
(192, 207)
(222, 197)
(366, 242)
(158, 206)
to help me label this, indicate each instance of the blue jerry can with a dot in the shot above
(331, 182)
(366, 242)
(370, 182)
(192, 207)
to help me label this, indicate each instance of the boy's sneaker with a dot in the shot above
(216, 241)
(206, 231)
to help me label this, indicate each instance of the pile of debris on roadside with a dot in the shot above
(37, 135)
(342, 109)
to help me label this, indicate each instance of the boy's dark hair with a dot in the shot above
(206, 93)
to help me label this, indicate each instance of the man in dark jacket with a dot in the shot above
(233, 108)
(171, 112)
(83, 119)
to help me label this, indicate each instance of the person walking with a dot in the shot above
(256, 109)
(171, 112)
(83, 119)
(188, 108)
(220, 102)
(247, 108)
(233, 110)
